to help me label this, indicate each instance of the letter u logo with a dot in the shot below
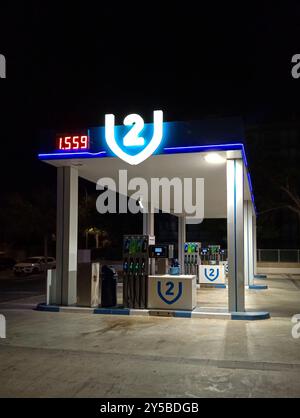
(212, 274)
(169, 292)
(132, 138)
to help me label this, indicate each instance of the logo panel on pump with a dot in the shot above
(168, 293)
(211, 274)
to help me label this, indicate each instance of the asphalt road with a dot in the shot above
(14, 288)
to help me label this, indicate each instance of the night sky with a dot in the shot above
(68, 66)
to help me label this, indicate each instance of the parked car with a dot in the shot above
(6, 263)
(33, 265)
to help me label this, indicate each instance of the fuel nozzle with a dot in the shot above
(125, 265)
(136, 265)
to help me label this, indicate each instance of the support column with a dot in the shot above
(254, 246)
(148, 229)
(235, 235)
(181, 241)
(248, 243)
(148, 223)
(250, 228)
(66, 236)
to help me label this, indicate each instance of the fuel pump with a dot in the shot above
(214, 254)
(192, 258)
(135, 270)
(223, 256)
(204, 255)
(212, 270)
(162, 253)
(224, 260)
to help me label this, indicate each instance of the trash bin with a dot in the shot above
(108, 287)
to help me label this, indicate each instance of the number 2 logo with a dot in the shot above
(132, 138)
(212, 274)
(169, 292)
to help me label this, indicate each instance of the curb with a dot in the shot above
(246, 316)
(260, 276)
(257, 287)
(219, 286)
(47, 308)
(110, 311)
(250, 316)
(210, 285)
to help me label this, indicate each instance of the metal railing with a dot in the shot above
(278, 256)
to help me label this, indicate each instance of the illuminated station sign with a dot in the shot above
(72, 142)
(134, 141)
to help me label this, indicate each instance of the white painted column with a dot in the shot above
(66, 236)
(235, 235)
(250, 228)
(148, 229)
(248, 243)
(181, 240)
(148, 223)
(254, 246)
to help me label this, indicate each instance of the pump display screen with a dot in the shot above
(160, 251)
(72, 142)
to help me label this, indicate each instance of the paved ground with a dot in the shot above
(13, 288)
(63, 354)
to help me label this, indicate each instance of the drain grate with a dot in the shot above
(162, 313)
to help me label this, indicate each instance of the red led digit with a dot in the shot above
(75, 142)
(68, 142)
(83, 141)
(60, 143)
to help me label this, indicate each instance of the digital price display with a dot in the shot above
(72, 142)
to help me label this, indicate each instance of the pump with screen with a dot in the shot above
(135, 270)
(192, 258)
(212, 269)
(162, 253)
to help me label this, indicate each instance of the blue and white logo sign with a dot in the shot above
(211, 274)
(169, 295)
(134, 148)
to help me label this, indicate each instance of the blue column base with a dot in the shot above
(258, 287)
(249, 316)
(260, 276)
(112, 311)
(47, 308)
(217, 285)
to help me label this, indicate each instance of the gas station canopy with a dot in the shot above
(181, 155)
(212, 150)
